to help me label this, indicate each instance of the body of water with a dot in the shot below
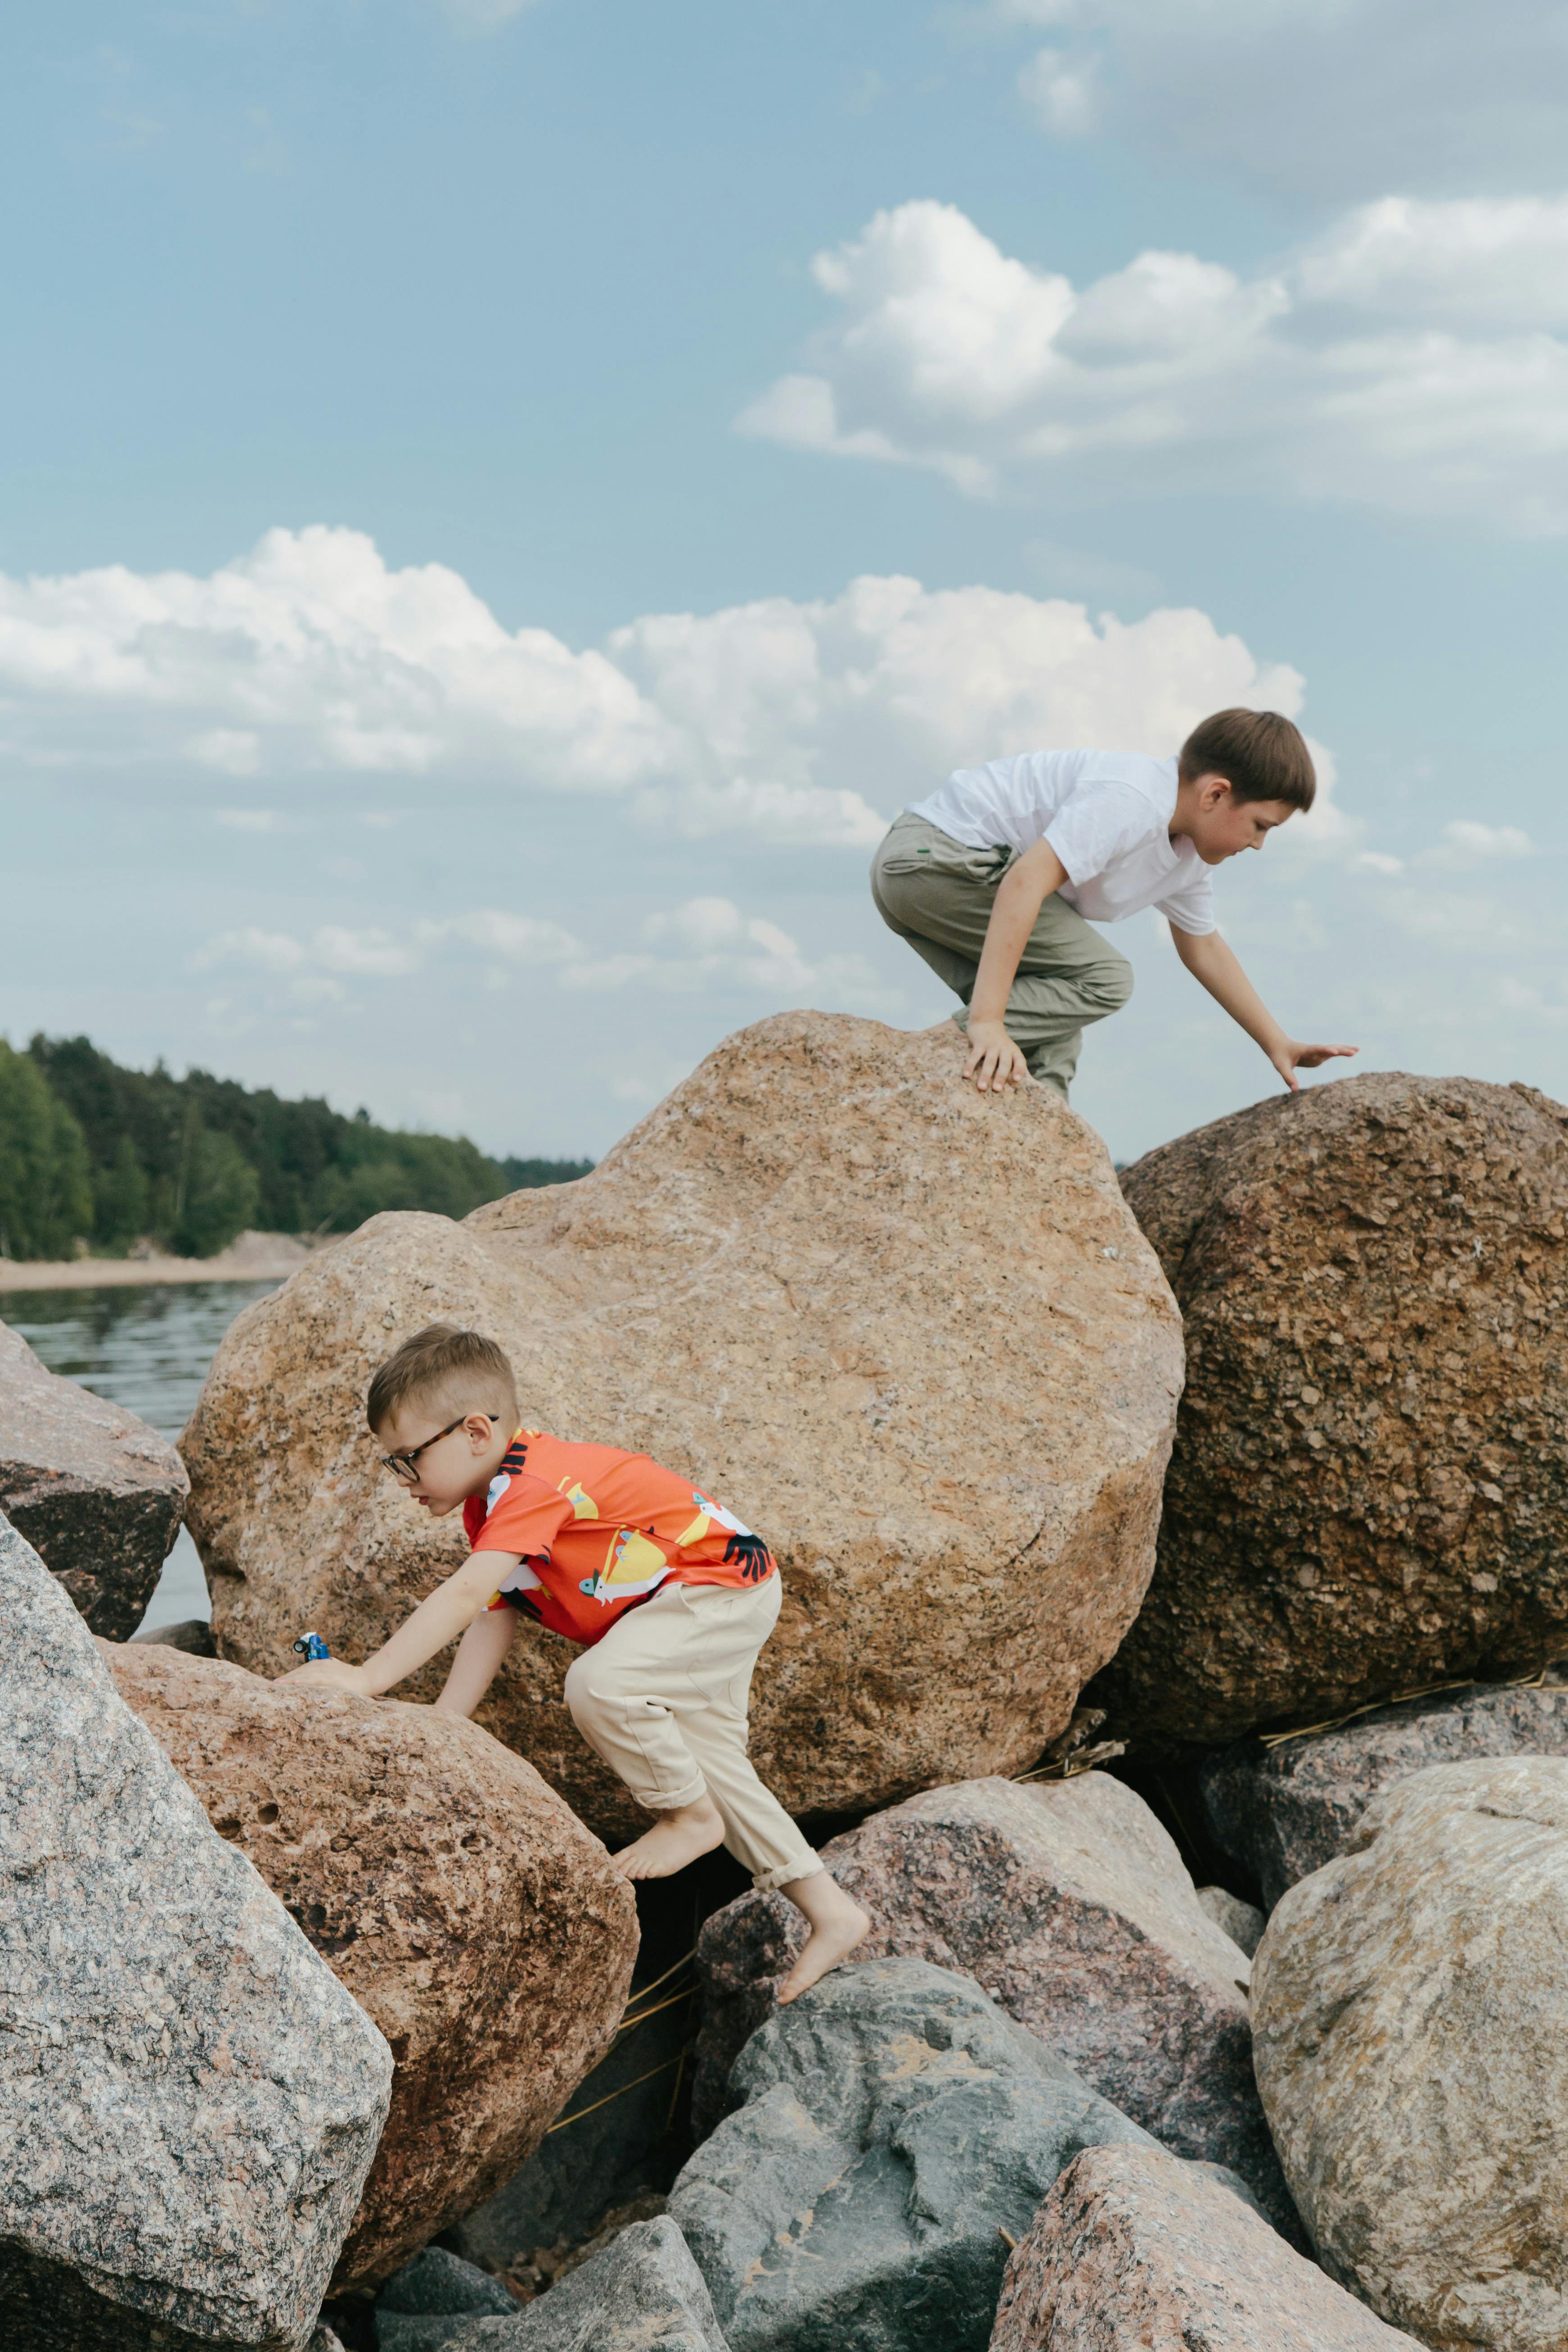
(147, 1348)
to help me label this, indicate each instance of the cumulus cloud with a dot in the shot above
(1467, 843)
(1294, 95)
(796, 722)
(705, 947)
(1414, 357)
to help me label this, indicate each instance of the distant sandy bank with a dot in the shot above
(254, 1257)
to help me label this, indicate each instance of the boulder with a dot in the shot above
(642, 2294)
(1134, 2252)
(912, 1336)
(1282, 1812)
(1412, 2048)
(1243, 1922)
(447, 1888)
(896, 2132)
(1369, 1492)
(189, 2099)
(418, 2308)
(1068, 1902)
(98, 1495)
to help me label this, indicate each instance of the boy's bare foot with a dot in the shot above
(675, 1838)
(837, 1925)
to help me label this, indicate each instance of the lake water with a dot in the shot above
(147, 1347)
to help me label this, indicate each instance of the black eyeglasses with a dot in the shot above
(402, 1465)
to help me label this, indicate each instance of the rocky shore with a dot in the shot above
(1174, 1593)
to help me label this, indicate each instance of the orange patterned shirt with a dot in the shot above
(596, 1530)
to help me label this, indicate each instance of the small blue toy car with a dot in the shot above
(310, 1646)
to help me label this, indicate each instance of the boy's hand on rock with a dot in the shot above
(331, 1673)
(993, 1062)
(1288, 1057)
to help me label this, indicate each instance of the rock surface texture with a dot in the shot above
(914, 1337)
(1409, 2005)
(1284, 1812)
(449, 1889)
(423, 2306)
(1243, 1922)
(642, 2294)
(894, 2125)
(1369, 1491)
(1134, 2252)
(1069, 1904)
(189, 2099)
(98, 1495)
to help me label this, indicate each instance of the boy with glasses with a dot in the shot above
(670, 1596)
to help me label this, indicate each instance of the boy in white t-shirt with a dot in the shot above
(991, 878)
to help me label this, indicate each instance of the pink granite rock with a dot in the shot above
(1135, 2252)
(96, 1493)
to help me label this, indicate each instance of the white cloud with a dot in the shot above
(717, 951)
(1410, 359)
(1377, 861)
(1062, 91)
(791, 722)
(705, 947)
(1465, 843)
(1339, 99)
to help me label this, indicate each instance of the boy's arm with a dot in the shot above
(1210, 961)
(440, 1617)
(994, 1059)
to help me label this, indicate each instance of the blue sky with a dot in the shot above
(440, 443)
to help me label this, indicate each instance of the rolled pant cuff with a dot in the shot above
(768, 1881)
(663, 1804)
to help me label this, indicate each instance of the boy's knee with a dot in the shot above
(1112, 983)
(583, 1689)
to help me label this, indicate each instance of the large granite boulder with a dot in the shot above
(1134, 2252)
(642, 2294)
(1411, 2007)
(449, 1890)
(1283, 1810)
(189, 2099)
(896, 2132)
(1070, 1902)
(911, 1334)
(98, 1495)
(1369, 1491)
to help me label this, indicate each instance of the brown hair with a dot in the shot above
(1260, 755)
(445, 1362)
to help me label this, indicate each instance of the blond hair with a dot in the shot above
(447, 1364)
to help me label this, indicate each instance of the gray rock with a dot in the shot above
(418, 2307)
(97, 1494)
(194, 1635)
(895, 2125)
(1411, 2001)
(189, 2100)
(1243, 1922)
(1284, 1812)
(643, 2293)
(1070, 1902)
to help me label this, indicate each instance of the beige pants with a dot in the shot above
(939, 895)
(663, 1699)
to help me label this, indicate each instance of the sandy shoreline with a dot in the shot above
(254, 1257)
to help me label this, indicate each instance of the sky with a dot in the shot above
(501, 504)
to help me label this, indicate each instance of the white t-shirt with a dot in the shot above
(1106, 814)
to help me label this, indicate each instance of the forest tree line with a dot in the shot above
(97, 1155)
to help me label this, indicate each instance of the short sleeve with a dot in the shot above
(1098, 824)
(523, 1515)
(1191, 907)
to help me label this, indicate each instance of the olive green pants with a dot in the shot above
(939, 895)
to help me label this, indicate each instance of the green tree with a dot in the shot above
(216, 1195)
(46, 1181)
(122, 1201)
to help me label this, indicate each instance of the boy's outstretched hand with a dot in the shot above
(331, 1673)
(1288, 1057)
